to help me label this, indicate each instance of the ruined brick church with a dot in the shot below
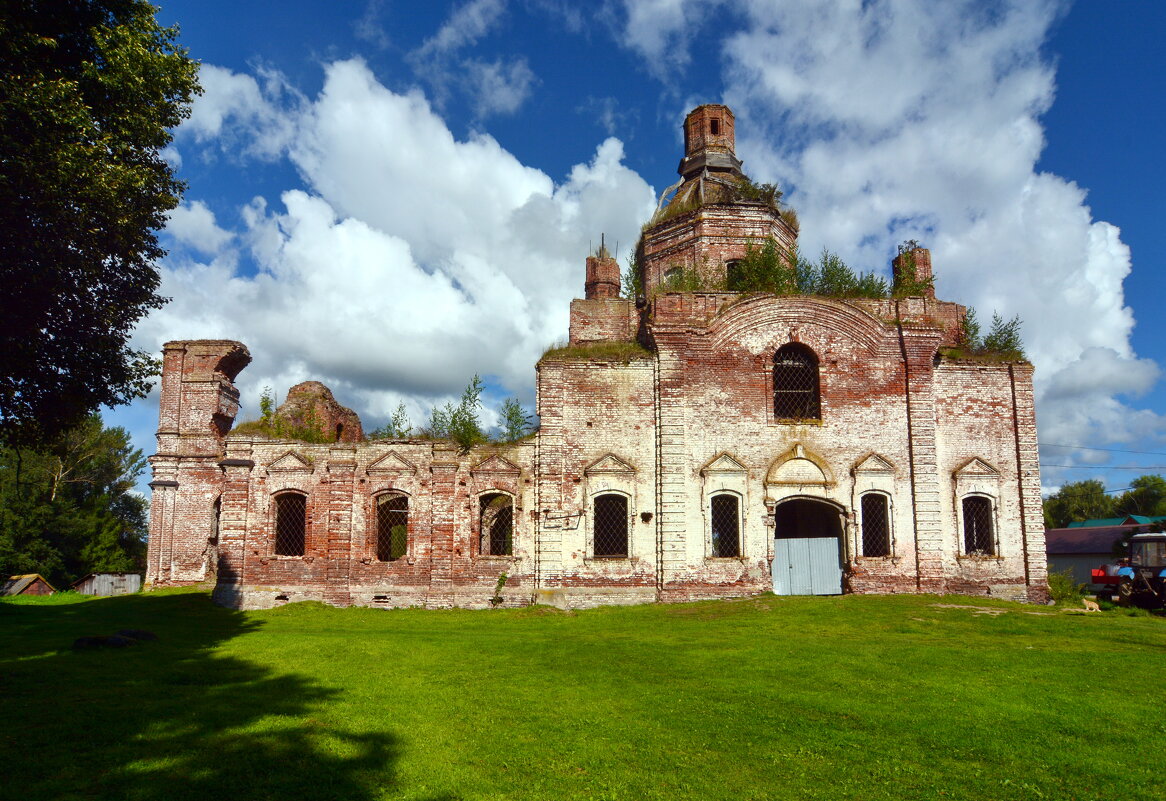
(735, 443)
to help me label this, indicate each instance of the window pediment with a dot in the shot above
(976, 468)
(290, 462)
(609, 465)
(874, 463)
(495, 464)
(724, 463)
(392, 462)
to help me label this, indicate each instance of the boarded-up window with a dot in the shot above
(725, 515)
(795, 383)
(291, 511)
(978, 534)
(392, 527)
(876, 525)
(497, 524)
(611, 525)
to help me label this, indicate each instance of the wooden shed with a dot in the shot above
(27, 584)
(108, 584)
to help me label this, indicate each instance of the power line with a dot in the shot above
(1106, 466)
(1107, 450)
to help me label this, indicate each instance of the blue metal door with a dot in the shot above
(807, 566)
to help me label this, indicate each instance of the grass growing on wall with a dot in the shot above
(855, 697)
(598, 352)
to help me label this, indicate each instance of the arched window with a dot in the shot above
(611, 525)
(291, 514)
(496, 519)
(725, 517)
(876, 525)
(392, 527)
(795, 383)
(979, 538)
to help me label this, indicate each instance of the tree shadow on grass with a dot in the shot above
(169, 719)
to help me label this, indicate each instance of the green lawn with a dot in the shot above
(855, 697)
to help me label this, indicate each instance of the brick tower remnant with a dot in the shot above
(913, 266)
(602, 275)
(716, 213)
(311, 404)
(196, 411)
(709, 142)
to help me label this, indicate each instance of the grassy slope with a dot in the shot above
(834, 698)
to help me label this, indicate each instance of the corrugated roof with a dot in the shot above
(1143, 519)
(1127, 520)
(1097, 522)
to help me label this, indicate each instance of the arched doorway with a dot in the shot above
(807, 552)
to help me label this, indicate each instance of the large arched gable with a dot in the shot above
(765, 322)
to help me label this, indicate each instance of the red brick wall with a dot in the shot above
(708, 237)
(603, 320)
(443, 565)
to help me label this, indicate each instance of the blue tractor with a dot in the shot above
(1139, 580)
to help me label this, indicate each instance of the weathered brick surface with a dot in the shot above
(692, 419)
(603, 320)
(310, 404)
(198, 406)
(707, 238)
(603, 280)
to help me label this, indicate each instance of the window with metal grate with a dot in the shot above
(795, 383)
(876, 525)
(726, 525)
(496, 518)
(611, 526)
(392, 527)
(978, 535)
(291, 512)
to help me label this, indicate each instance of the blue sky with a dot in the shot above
(389, 197)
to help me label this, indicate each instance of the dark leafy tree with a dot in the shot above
(71, 509)
(88, 91)
(1078, 501)
(1146, 496)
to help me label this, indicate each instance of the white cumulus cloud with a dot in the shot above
(889, 120)
(233, 103)
(407, 262)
